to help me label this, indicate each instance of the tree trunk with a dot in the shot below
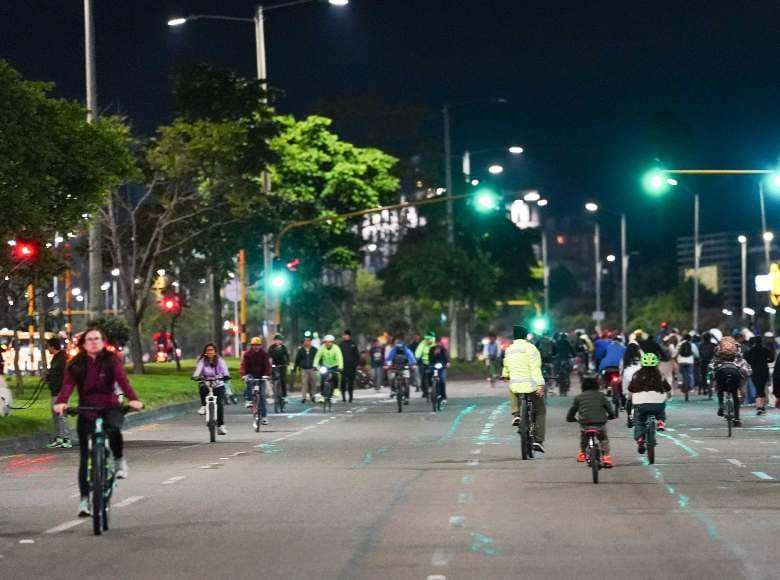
(136, 346)
(216, 301)
(19, 391)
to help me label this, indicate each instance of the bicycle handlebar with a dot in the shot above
(78, 410)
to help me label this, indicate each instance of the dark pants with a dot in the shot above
(426, 377)
(282, 379)
(642, 412)
(760, 383)
(219, 393)
(735, 393)
(112, 425)
(348, 384)
(334, 384)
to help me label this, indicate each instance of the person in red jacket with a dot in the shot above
(94, 372)
(255, 363)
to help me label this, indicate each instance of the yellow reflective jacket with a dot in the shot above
(523, 367)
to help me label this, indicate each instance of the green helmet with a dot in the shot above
(649, 359)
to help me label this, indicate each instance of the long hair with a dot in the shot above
(205, 358)
(105, 358)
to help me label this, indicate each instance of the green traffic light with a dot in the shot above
(280, 282)
(655, 181)
(539, 324)
(774, 181)
(486, 200)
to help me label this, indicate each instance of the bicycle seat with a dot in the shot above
(591, 431)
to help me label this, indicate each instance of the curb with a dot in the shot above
(40, 440)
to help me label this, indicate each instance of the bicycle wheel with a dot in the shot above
(433, 393)
(109, 490)
(98, 482)
(399, 395)
(650, 440)
(277, 397)
(212, 422)
(526, 444)
(729, 412)
(595, 460)
(257, 415)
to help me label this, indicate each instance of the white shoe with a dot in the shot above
(265, 421)
(202, 411)
(255, 424)
(121, 471)
(248, 404)
(84, 510)
(222, 430)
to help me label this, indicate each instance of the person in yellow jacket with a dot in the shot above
(523, 369)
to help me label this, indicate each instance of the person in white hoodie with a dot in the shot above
(628, 368)
(649, 391)
(687, 355)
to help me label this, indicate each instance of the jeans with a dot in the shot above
(688, 377)
(750, 396)
(283, 379)
(603, 437)
(540, 411)
(60, 423)
(219, 393)
(378, 374)
(113, 419)
(642, 412)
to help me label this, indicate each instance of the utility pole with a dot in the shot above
(453, 309)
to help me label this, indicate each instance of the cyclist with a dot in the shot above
(54, 377)
(94, 372)
(351, 356)
(304, 360)
(491, 352)
(592, 409)
(422, 355)
(564, 352)
(255, 364)
(523, 368)
(399, 357)
(649, 391)
(730, 371)
(628, 368)
(584, 348)
(280, 358)
(329, 355)
(439, 354)
(547, 350)
(212, 366)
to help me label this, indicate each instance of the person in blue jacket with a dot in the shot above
(613, 355)
(401, 351)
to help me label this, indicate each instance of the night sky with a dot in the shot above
(596, 90)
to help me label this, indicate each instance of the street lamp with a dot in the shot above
(496, 169)
(516, 150)
(542, 203)
(533, 197)
(743, 276)
(611, 258)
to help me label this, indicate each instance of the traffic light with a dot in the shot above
(293, 265)
(280, 281)
(540, 324)
(486, 200)
(655, 181)
(170, 304)
(24, 250)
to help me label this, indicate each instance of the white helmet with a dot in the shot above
(329, 338)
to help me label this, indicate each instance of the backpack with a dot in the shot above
(685, 349)
(707, 350)
(728, 376)
(546, 348)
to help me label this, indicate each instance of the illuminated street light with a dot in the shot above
(495, 169)
(768, 236)
(76, 291)
(475, 182)
(611, 258)
(727, 312)
(115, 272)
(671, 181)
(742, 239)
(177, 21)
(592, 207)
(532, 196)
(749, 311)
(516, 150)
(770, 310)
(542, 202)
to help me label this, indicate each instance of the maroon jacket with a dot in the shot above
(97, 387)
(257, 364)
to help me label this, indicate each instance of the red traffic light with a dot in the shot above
(24, 251)
(170, 304)
(293, 266)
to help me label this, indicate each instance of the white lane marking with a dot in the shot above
(293, 434)
(473, 462)
(441, 557)
(65, 526)
(465, 497)
(683, 435)
(191, 446)
(673, 430)
(224, 458)
(27, 541)
(476, 452)
(237, 453)
(697, 441)
(711, 450)
(437, 577)
(75, 495)
(205, 466)
(736, 462)
(762, 475)
(322, 422)
(309, 427)
(457, 521)
(173, 480)
(129, 501)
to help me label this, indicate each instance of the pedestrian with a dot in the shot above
(776, 381)
(687, 356)
(351, 356)
(377, 357)
(53, 378)
(304, 361)
(759, 358)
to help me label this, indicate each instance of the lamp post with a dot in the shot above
(535, 197)
(593, 207)
(743, 271)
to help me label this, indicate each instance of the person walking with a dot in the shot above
(54, 377)
(351, 356)
(377, 357)
(759, 358)
(304, 361)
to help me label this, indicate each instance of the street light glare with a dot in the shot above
(495, 169)
(592, 207)
(532, 196)
(516, 150)
(671, 181)
(768, 236)
(475, 182)
(742, 239)
(611, 258)
(177, 21)
(542, 202)
(338, 2)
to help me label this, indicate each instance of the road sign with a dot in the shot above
(598, 315)
(770, 283)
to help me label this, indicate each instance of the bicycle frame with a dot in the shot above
(527, 425)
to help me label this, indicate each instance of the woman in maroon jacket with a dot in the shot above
(94, 372)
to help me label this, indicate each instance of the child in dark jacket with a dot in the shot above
(592, 409)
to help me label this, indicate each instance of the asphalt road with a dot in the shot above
(370, 493)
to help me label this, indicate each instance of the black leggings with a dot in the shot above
(112, 425)
(219, 393)
(348, 384)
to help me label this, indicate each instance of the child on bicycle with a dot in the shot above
(649, 392)
(593, 409)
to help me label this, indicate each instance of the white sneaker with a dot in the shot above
(255, 424)
(248, 404)
(222, 430)
(202, 411)
(84, 510)
(265, 421)
(121, 471)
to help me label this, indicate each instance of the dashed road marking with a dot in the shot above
(457, 521)
(697, 441)
(473, 462)
(27, 541)
(441, 557)
(65, 526)
(762, 475)
(437, 577)
(173, 480)
(129, 501)
(736, 462)
(711, 450)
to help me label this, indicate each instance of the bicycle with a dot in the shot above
(276, 382)
(100, 470)
(593, 452)
(327, 389)
(563, 379)
(651, 427)
(363, 380)
(257, 387)
(401, 385)
(527, 425)
(493, 371)
(728, 410)
(211, 405)
(435, 395)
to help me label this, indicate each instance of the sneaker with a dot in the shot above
(630, 423)
(84, 509)
(760, 411)
(255, 424)
(515, 421)
(581, 457)
(607, 461)
(303, 401)
(661, 425)
(248, 404)
(737, 423)
(121, 471)
(222, 430)
(202, 411)
(56, 444)
(66, 443)
(264, 421)
(720, 411)
(641, 446)
(538, 446)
